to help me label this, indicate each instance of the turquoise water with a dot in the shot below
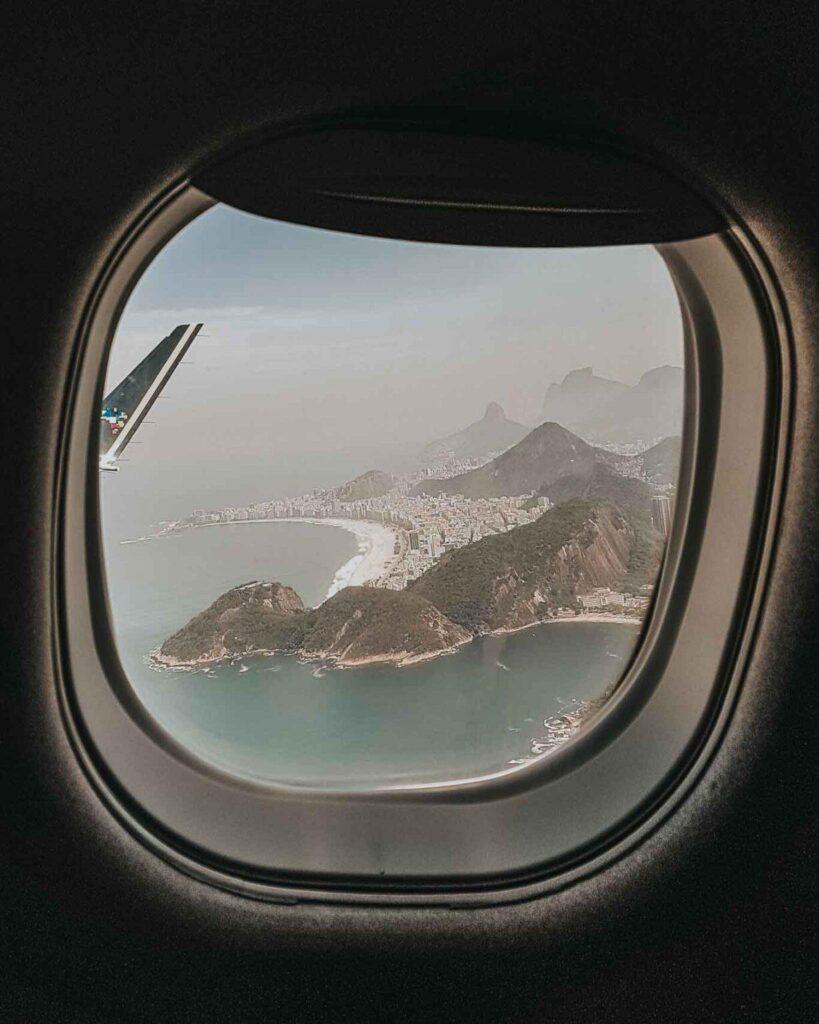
(458, 716)
(281, 720)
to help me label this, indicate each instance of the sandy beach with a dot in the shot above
(625, 620)
(376, 547)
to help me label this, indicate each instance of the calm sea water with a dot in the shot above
(281, 720)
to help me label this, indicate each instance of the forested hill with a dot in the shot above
(633, 499)
(661, 463)
(521, 577)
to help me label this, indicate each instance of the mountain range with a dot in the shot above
(598, 533)
(544, 455)
(605, 410)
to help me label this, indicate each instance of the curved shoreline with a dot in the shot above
(376, 545)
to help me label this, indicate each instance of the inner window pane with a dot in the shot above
(398, 512)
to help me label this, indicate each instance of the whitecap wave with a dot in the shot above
(346, 572)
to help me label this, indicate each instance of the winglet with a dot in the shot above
(124, 408)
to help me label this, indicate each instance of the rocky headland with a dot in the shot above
(526, 576)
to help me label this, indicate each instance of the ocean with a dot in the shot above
(280, 720)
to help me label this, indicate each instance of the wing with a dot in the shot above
(124, 408)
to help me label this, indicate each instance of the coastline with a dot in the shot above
(397, 660)
(623, 620)
(376, 545)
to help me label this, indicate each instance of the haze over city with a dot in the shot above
(318, 342)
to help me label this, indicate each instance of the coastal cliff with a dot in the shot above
(240, 621)
(500, 583)
(357, 626)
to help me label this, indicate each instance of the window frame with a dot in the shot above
(494, 842)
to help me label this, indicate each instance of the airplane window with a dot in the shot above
(382, 512)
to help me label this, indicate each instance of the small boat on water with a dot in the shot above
(243, 668)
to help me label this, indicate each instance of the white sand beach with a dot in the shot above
(624, 620)
(376, 547)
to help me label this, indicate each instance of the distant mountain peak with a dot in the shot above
(578, 374)
(494, 411)
(492, 433)
(599, 409)
(372, 484)
(543, 455)
(662, 376)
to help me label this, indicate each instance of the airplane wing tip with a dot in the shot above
(125, 407)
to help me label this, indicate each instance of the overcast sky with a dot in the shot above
(316, 340)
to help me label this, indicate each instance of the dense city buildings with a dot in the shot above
(423, 527)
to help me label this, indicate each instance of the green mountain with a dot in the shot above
(364, 625)
(522, 577)
(357, 626)
(632, 498)
(252, 617)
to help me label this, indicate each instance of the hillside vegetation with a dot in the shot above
(633, 499)
(523, 576)
(359, 625)
(501, 582)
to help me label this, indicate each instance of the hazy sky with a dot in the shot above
(317, 341)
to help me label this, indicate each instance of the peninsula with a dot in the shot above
(529, 575)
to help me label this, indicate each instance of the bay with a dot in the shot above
(283, 721)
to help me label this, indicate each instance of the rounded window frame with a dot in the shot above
(494, 842)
